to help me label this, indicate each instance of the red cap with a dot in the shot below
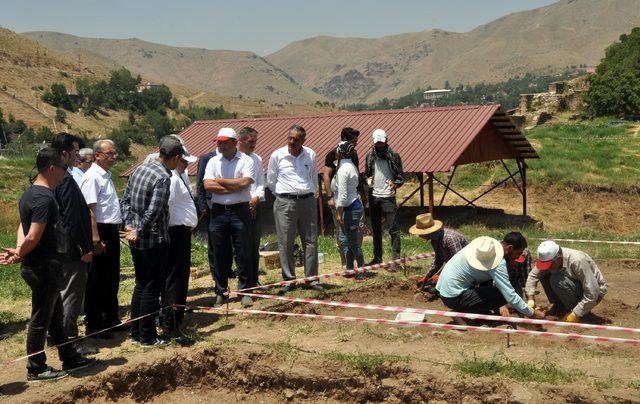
(544, 265)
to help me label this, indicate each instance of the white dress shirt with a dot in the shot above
(240, 166)
(182, 208)
(257, 188)
(97, 187)
(288, 174)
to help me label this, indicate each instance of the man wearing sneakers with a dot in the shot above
(41, 247)
(145, 210)
(383, 171)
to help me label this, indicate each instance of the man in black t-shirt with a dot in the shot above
(329, 171)
(41, 247)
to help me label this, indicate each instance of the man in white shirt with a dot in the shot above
(292, 176)
(247, 142)
(228, 176)
(101, 297)
(183, 218)
(85, 159)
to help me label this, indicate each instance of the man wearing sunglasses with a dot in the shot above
(41, 247)
(76, 222)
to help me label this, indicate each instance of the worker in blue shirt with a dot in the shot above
(476, 280)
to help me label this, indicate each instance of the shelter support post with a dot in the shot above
(323, 231)
(430, 183)
(421, 178)
(523, 173)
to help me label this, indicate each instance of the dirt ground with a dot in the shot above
(273, 359)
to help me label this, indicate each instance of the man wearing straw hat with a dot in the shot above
(445, 242)
(475, 280)
(571, 280)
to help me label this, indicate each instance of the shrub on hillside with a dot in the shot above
(615, 88)
(58, 96)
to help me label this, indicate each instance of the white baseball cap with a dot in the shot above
(226, 134)
(379, 135)
(547, 251)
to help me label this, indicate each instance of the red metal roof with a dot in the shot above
(427, 139)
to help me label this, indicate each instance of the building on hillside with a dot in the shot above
(431, 96)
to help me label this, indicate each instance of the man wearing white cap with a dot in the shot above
(183, 218)
(228, 176)
(383, 171)
(475, 280)
(570, 278)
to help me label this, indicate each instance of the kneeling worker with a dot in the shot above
(570, 279)
(475, 280)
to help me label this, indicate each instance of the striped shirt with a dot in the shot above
(145, 204)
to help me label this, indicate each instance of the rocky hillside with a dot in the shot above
(27, 69)
(547, 39)
(231, 73)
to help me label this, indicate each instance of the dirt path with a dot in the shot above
(259, 358)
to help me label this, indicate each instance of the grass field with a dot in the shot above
(589, 154)
(571, 155)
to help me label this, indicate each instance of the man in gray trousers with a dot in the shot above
(76, 223)
(292, 176)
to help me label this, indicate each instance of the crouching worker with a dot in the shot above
(570, 279)
(475, 280)
(445, 242)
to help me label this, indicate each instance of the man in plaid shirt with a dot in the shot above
(145, 209)
(445, 242)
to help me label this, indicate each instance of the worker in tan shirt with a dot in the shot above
(570, 278)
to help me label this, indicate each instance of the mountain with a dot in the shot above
(344, 70)
(27, 69)
(232, 73)
(547, 39)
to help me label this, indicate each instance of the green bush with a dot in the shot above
(615, 88)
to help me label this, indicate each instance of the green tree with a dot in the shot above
(615, 88)
(156, 125)
(58, 96)
(61, 116)
(156, 98)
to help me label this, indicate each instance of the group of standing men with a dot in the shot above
(72, 221)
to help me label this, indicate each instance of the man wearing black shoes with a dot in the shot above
(41, 246)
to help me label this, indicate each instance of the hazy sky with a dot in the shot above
(262, 26)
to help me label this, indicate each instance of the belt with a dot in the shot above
(296, 196)
(229, 207)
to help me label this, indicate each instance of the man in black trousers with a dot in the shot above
(145, 210)
(101, 297)
(41, 246)
(183, 218)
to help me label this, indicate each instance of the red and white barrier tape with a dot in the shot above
(472, 316)
(364, 269)
(490, 330)
(77, 339)
(589, 241)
